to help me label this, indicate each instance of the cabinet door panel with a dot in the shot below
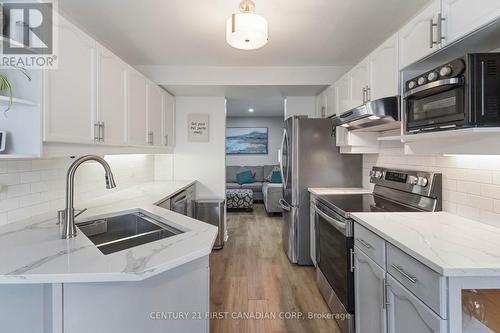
(406, 313)
(342, 94)
(384, 70)
(112, 99)
(359, 81)
(414, 37)
(70, 90)
(330, 101)
(369, 292)
(137, 109)
(155, 110)
(169, 120)
(465, 16)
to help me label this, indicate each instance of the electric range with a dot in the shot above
(394, 191)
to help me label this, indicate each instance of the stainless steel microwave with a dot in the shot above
(462, 93)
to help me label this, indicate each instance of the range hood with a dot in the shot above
(379, 115)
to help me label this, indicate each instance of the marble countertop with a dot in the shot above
(449, 244)
(33, 252)
(338, 190)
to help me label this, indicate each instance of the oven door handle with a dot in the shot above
(456, 81)
(340, 226)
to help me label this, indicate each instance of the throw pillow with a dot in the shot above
(274, 176)
(244, 177)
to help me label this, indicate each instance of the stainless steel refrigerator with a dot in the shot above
(310, 158)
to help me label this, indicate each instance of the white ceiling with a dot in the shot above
(244, 91)
(263, 107)
(192, 32)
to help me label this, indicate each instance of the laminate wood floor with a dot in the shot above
(252, 276)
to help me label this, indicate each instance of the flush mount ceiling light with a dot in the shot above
(251, 110)
(246, 30)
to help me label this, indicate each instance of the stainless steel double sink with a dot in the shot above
(124, 231)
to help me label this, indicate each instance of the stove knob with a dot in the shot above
(412, 180)
(422, 181)
(432, 76)
(378, 174)
(445, 71)
(412, 84)
(421, 80)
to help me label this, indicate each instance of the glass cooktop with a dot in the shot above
(361, 203)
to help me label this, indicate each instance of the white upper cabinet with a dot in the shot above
(464, 16)
(169, 120)
(112, 99)
(384, 70)
(330, 101)
(342, 94)
(321, 105)
(359, 84)
(137, 109)
(70, 90)
(155, 114)
(419, 37)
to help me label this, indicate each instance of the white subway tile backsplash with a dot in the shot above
(471, 184)
(18, 190)
(490, 191)
(33, 187)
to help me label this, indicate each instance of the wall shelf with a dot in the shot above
(390, 138)
(4, 100)
(459, 133)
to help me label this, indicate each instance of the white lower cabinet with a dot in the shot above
(406, 313)
(369, 279)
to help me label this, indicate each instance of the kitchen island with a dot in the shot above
(71, 286)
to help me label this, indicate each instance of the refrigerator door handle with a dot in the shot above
(285, 205)
(283, 175)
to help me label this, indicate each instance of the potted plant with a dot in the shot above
(5, 85)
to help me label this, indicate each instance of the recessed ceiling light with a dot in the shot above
(374, 117)
(345, 125)
(251, 110)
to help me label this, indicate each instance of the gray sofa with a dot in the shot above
(262, 190)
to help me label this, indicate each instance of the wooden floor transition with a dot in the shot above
(252, 277)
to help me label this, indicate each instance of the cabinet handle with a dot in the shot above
(364, 95)
(401, 271)
(352, 260)
(440, 28)
(368, 93)
(150, 138)
(166, 140)
(101, 132)
(431, 36)
(97, 131)
(364, 243)
(385, 301)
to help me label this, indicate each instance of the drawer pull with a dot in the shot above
(401, 271)
(364, 243)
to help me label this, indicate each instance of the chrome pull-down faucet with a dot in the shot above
(69, 228)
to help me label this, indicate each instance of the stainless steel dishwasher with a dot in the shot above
(181, 202)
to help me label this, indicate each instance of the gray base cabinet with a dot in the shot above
(406, 313)
(395, 293)
(369, 279)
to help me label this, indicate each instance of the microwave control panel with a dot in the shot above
(449, 70)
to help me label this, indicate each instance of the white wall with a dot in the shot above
(471, 184)
(32, 187)
(275, 131)
(300, 106)
(204, 162)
